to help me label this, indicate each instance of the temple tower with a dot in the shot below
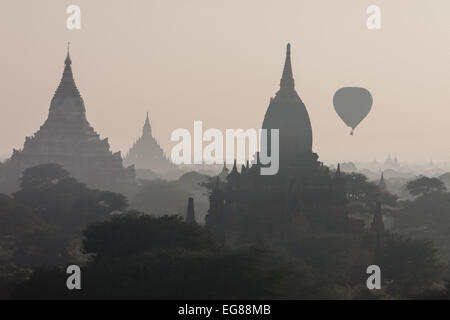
(302, 197)
(67, 138)
(382, 183)
(288, 113)
(146, 152)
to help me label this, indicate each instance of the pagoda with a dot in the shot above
(146, 153)
(303, 197)
(67, 138)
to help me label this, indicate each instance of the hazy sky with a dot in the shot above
(221, 61)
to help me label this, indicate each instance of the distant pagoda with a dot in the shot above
(67, 138)
(146, 153)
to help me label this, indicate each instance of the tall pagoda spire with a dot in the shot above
(287, 113)
(67, 101)
(147, 130)
(67, 74)
(287, 79)
(68, 61)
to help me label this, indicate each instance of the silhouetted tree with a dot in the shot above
(427, 215)
(42, 224)
(409, 266)
(165, 258)
(43, 176)
(425, 186)
(134, 233)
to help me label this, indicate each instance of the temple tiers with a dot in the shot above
(146, 153)
(67, 138)
(303, 197)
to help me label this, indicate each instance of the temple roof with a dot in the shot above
(147, 129)
(66, 138)
(67, 101)
(288, 113)
(146, 152)
(287, 79)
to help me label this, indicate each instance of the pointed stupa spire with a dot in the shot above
(234, 166)
(147, 130)
(382, 183)
(67, 90)
(224, 173)
(287, 79)
(68, 61)
(233, 176)
(67, 81)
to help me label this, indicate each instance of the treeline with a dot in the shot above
(54, 221)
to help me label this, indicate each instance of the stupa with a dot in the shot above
(67, 138)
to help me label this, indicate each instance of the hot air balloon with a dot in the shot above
(352, 104)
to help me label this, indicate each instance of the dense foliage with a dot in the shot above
(54, 221)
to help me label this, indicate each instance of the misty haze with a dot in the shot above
(336, 184)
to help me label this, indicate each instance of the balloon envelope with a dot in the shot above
(352, 104)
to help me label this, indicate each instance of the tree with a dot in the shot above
(43, 176)
(427, 215)
(424, 186)
(362, 196)
(134, 233)
(42, 224)
(62, 201)
(359, 190)
(139, 256)
(410, 266)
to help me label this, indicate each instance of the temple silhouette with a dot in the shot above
(146, 153)
(304, 196)
(67, 138)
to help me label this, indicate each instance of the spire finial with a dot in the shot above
(68, 61)
(287, 79)
(147, 130)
